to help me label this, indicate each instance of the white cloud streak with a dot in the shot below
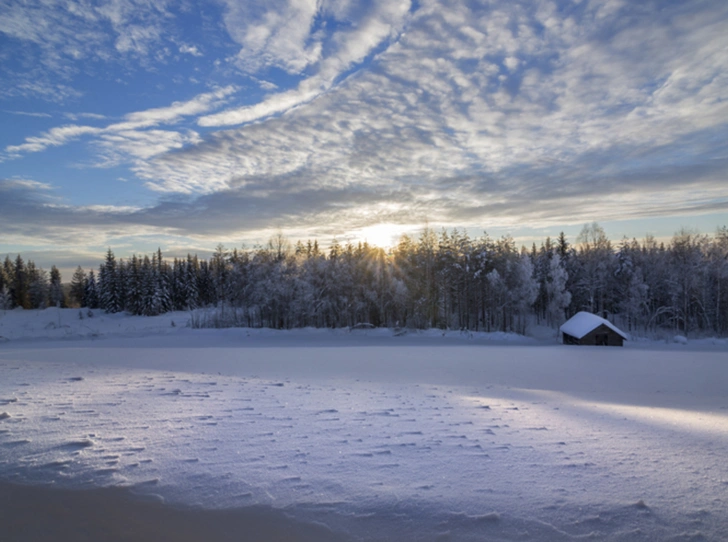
(128, 136)
(348, 47)
(55, 137)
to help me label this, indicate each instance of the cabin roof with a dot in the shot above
(583, 323)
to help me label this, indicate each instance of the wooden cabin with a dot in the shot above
(589, 329)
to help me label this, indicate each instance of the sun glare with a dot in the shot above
(381, 235)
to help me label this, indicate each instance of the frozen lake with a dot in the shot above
(374, 437)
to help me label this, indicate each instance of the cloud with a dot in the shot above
(277, 103)
(118, 145)
(270, 41)
(53, 40)
(28, 114)
(92, 116)
(36, 84)
(175, 112)
(127, 135)
(277, 33)
(500, 108)
(55, 137)
(189, 50)
(9, 185)
(541, 113)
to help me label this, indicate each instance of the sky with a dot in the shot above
(138, 124)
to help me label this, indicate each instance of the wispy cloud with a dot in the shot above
(269, 41)
(55, 137)
(28, 114)
(143, 144)
(129, 135)
(77, 116)
(277, 33)
(168, 115)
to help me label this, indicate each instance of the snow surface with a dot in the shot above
(584, 322)
(426, 436)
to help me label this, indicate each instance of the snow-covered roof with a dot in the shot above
(584, 322)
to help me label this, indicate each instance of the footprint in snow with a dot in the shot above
(79, 444)
(14, 443)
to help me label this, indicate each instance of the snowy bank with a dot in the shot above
(75, 324)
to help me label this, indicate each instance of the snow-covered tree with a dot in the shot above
(55, 293)
(78, 287)
(557, 296)
(91, 292)
(6, 301)
(523, 291)
(110, 287)
(20, 282)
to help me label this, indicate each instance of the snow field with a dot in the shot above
(439, 441)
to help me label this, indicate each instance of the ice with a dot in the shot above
(381, 437)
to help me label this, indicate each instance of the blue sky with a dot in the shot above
(134, 124)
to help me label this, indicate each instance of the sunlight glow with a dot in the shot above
(690, 418)
(381, 235)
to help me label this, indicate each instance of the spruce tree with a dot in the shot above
(110, 298)
(56, 289)
(192, 294)
(134, 292)
(78, 287)
(38, 287)
(91, 292)
(20, 283)
(163, 283)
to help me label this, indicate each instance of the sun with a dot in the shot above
(380, 235)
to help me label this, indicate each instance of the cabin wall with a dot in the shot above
(600, 335)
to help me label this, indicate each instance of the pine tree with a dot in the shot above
(562, 246)
(78, 287)
(148, 288)
(192, 294)
(56, 289)
(20, 284)
(91, 292)
(109, 287)
(134, 291)
(4, 279)
(163, 288)
(177, 285)
(38, 287)
(6, 300)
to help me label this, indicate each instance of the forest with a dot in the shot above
(435, 279)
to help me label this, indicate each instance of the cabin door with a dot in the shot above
(602, 339)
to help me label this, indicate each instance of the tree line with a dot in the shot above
(440, 279)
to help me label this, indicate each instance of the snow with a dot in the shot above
(583, 322)
(425, 436)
